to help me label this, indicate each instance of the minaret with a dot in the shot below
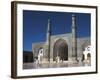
(48, 38)
(74, 38)
(48, 32)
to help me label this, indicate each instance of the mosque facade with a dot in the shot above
(66, 47)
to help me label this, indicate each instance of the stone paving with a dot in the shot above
(54, 65)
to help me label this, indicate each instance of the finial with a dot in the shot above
(49, 20)
(73, 15)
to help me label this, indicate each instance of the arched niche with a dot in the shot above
(60, 49)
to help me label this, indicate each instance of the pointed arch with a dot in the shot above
(60, 49)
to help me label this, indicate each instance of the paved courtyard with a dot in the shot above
(53, 65)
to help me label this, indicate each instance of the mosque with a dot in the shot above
(61, 47)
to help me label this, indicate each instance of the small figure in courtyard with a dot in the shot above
(57, 59)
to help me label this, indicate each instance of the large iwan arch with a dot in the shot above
(60, 49)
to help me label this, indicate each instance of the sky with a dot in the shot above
(35, 25)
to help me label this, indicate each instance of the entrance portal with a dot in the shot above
(60, 50)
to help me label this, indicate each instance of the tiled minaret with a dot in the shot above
(48, 32)
(74, 38)
(48, 38)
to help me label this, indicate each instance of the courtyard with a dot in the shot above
(54, 65)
